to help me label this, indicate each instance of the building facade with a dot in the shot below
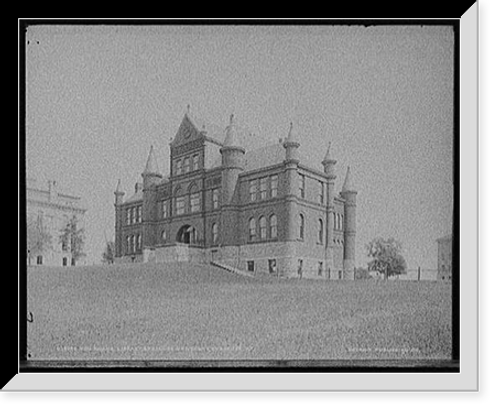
(261, 211)
(444, 272)
(48, 211)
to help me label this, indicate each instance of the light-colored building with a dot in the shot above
(261, 211)
(48, 211)
(445, 256)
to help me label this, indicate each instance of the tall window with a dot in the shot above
(132, 243)
(215, 233)
(273, 222)
(253, 190)
(178, 167)
(139, 214)
(133, 215)
(196, 162)
(194, 199)
(179, 203)
(251, 229)
(138, 242)
(334, 220)
(341, 221)
(274, 186)
(164, 208)
(301, 226)
(215, 198)
(262, 228)
(272, 266)
(300, 268)
(302, 186)
(186, 166)
(320, 269)
(320, 231)
(321, 193)
(263, 187)
(129, 216)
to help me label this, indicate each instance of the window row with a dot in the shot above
(320, 227)
(183, 204)
(133, 243)
(272, 267)
(134, 215)
(321, 189)
(187, 164)
(261, 229)
(264, 188)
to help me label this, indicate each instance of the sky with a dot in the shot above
(97, 98)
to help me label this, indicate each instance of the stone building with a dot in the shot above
(261, 211)
(444, 272)
(48, 210)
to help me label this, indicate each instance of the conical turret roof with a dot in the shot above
(291, 138)
(151, 164)
(231, 138)
(328, 155)
(347, 187)
(119, 189)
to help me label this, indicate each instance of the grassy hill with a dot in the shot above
(185, 311)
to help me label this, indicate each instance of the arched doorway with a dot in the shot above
(186, 234)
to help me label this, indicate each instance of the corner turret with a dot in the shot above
(349, 195)
(232, 161)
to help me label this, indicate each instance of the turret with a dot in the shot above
(232, 162)
(329, 163)
(291, 185)
(349, 195)
(291, 145)
(119, 194)
(151, 178)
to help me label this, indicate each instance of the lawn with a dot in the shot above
(192, 312)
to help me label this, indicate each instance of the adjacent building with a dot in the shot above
(445, 256)
(48, 211)
(261, 211)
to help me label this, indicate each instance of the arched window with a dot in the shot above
(273, 222)
(164, 236)
(301, 226)
(251, 229)
(215, 233)
(215, 198)
(262, 227)
(320, 231)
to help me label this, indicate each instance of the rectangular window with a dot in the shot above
(321, 193)
(253, 190)
(215, 198)
(139, 214)
(274, 186)
(179, 205)
(302, 186)
(320, 269)
(129, 216)
(251, 266)
(39, 260)
(194, 201)
(196, 162)
(178, 167)
(263, 187)
(164, 208)
(187, 164)
(272, 266)
(300, 268)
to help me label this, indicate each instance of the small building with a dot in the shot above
(445, 256)
(48, 210)
(262, 211)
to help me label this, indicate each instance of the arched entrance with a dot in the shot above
(186, 235)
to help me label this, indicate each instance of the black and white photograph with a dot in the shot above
(241, 196)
